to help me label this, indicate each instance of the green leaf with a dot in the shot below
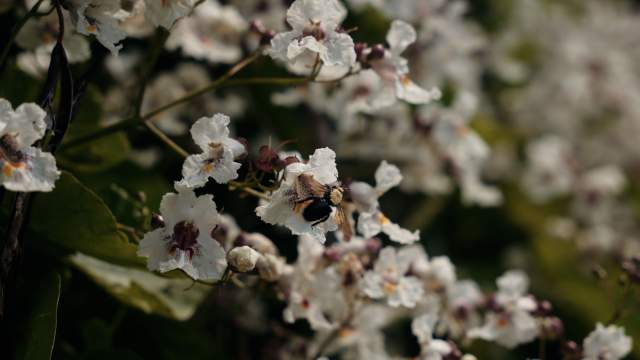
(99, 154)
(39, 331)
(175, 298)
(76, 219)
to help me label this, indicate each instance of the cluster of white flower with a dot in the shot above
(357, 271)
(573, 106)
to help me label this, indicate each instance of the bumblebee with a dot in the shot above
(316, 202)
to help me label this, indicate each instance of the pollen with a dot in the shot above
(389, 288)
(383, 220)
(7, 170)
(405, 80)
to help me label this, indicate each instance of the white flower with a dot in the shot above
(315, 35)
(606, 343)
(316, 292)
(466, 150)
(165, 12)
(185, 241)
(387, 280)
(393, 69)
(371, 220)
(24, 167)
(511, 323)
(279, 210)
(102, 19)
(549, 172)
(39, 35)
(243, 258)
(430, 348)
(218, 153)
(213, 32)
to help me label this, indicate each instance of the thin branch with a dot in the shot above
(16, 29)
(165, 139)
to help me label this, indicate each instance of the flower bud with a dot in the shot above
(377, 53)
(271, 267)
(157, 221)
(243, 259)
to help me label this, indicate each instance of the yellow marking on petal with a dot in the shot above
(405, 80)
(208, 167)
(7, 170)
(389, 288)
(92, 29)
(383, 220)
(345, 332)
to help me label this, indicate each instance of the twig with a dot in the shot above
(165, 139)
(16, 29)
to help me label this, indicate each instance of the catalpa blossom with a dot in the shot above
(102, 19)
(510, 322)
(24, 167)
(281, 207)
(315, 35)
(315, 292)
(393, 69)
(165, 12)
(430, 349)
(185, 241)
(388, 280)
(218, 153)
(39, 36)
(371, 221)
(606, 343)
(464, 148)
(213, 32)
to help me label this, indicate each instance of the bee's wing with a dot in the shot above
(307, 186)
(343, 223)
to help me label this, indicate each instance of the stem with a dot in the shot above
(151, 61)
(12, 250)
(239, 66)
(165, 139)
(16, 29)
(233, 185)
(542, 349)
(326, 343)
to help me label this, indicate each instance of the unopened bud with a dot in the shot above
(243, 259)
(270, 267)
(377, 53)
(157, 221)
(552, 328)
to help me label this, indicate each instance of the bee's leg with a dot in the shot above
(321, 220)
(303, 200)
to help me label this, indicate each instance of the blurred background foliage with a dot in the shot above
(75, 308)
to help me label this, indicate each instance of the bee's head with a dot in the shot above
(335, 196)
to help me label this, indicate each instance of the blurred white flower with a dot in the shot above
(185, 241)
(393, 69)
(213, 32)
(218, 153)
(24, 167)
(388, 281)
(165, 12)
(39, 36)
(430, 348)
(510, 322)
(606, 343)
(315, 35)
